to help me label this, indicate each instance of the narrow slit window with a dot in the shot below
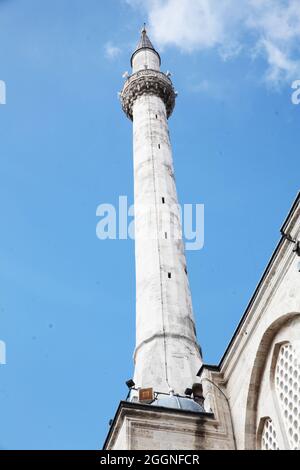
(159, 146)
(156, 116)
(169, 275)
(163, 200)
(166, 235)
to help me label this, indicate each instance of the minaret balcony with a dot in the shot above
(151, 82)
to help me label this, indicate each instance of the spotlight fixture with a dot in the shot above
(297, 248)
(188, 392)
(130, 383)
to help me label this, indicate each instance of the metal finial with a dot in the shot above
(144, 31)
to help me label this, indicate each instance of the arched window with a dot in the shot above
(268, 439)
(287, 386)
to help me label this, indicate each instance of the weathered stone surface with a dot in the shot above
(147, 82)
(167, 354)
(142, 427)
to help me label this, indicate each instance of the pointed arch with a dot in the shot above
(257, 373)
(267, 435)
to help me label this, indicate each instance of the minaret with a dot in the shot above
(167, 356)
(185, 412)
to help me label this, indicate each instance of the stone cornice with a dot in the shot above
(274, 273)
(149, 415)
(275, 270)
(149, 82)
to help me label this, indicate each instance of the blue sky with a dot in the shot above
(67, 298)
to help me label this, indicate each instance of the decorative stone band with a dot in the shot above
(149, 82)
(175, 336)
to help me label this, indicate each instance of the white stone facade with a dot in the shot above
(141, 427)
(261, 368)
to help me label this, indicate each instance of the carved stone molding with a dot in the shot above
(149, 82)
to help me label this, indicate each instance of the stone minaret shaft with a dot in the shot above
(167, 355)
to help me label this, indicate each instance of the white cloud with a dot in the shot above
(111, 51)
(281, 67)
(269, 27)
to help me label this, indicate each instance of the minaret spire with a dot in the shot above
(144, 44)
(144, 41)
(167, 355)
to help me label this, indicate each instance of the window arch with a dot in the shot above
(287, 386)
(262, 399)
(268, 439)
